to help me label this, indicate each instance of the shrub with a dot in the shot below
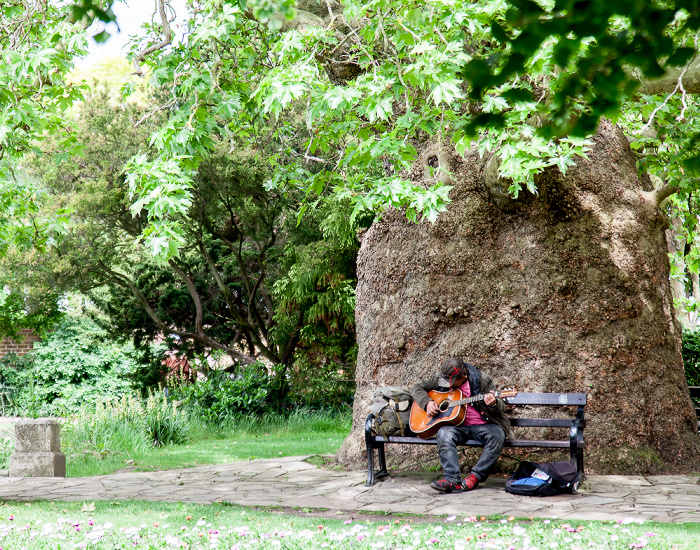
(691, 357)
(7, 447)
(222, 395)
(75, 364)
(317, 381)
(10, 384)
(163, 423)
(106, 427)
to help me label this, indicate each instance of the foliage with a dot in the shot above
(601, 50)
(17, 313)
(105, 429)
(125, 425)
(241, 282)
(222, 396)
(7, 448)
(73, 365)
(338, 102)
(37, 48)
(322, 376)
(691, 357)
(337, 105)
(164, 424)
(361, 95)
(10, 383)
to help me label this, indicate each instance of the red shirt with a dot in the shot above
(473, 417)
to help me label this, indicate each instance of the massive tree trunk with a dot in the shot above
(566, 291)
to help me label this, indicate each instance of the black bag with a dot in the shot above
(543, 480)
(392, 410)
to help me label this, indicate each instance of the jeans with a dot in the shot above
(491, 436)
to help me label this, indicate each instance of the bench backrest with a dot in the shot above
(571, 399)
(552, 399)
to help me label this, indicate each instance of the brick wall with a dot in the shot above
(8, 345)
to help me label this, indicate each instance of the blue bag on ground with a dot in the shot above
(543, 480)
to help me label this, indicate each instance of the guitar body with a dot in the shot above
(426, 426)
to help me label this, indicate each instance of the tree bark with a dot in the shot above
(565, 291)
(676, 246)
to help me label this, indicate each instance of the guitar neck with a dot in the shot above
(468, 400)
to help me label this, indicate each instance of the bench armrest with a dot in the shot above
(368, 425)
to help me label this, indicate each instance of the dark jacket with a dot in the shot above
(479, 382)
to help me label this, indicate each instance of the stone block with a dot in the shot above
(38, 449)
(38, 465)
(41, 435)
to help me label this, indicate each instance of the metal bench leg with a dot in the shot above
(382, 461)
(370, 466)
(579, 463)
(369, 443)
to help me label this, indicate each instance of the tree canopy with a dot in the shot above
(340, 97)
(365, 82)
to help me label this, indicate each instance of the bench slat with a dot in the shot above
(547, 399)
(414, 440)
(542, 422)
(548, 443)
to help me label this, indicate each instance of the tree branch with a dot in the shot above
(660, 193)
(126, 282)
(294, 339)
(167, 40)
(199, 313)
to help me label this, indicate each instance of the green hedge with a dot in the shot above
(691, 357)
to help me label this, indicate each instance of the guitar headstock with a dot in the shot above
(506, 393)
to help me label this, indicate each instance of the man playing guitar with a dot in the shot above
(485, 421)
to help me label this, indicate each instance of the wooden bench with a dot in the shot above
(695, 392)
(574, 442)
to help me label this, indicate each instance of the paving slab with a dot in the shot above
(293, 482)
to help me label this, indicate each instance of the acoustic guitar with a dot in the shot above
(452, 411)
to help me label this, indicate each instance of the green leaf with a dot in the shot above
(446, 92)
(680, 57)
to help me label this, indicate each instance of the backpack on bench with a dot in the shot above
(543, 480)
(392, 410)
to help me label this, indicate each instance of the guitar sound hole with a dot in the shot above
(444, 406)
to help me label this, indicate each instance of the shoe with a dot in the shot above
(470, 482)
(445, 486)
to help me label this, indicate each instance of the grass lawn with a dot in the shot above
(243, 439)
(139, 524)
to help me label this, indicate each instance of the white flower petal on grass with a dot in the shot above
(174, 541)
(95, 535)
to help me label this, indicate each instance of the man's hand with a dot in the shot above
(431, 408)
(489, 399)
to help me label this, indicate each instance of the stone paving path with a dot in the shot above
(292, 482)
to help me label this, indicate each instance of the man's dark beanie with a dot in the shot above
(451, 368)
(450, 364)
